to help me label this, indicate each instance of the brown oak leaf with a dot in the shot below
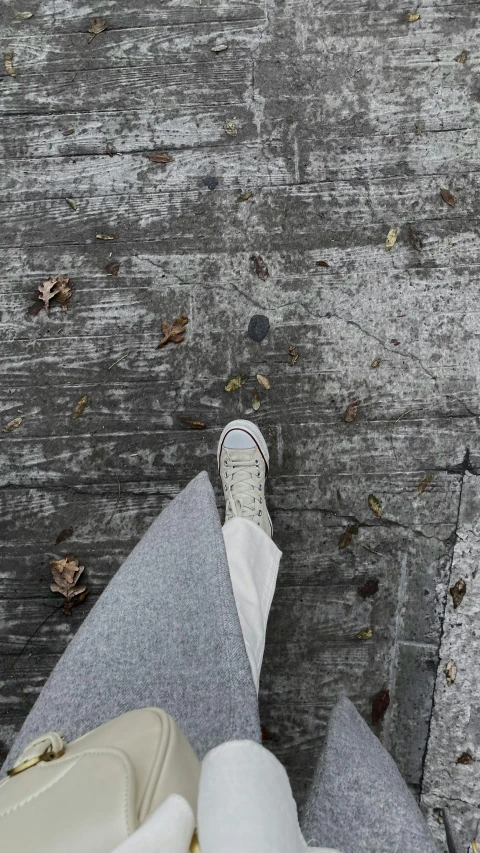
(465, 758)
(294, 354)
(174, 332)
(351, 411)
(425, 482)
(192, 423)
(375, 506)
(112, 268)
(8, 62)
(65, 573)
(260, 267)
(80, 407)
(57, 288)
(369, 588)
(160, 157)
(447, 197)
(64, 291)
(457, 592)
(64, 534)
(346, 536)
(415, 238)
(97, 25)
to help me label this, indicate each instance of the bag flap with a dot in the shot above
(75, 803)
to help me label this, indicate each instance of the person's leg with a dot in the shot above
(358, 801)
(253, 558)
(165, 633)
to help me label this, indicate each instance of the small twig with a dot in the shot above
(118, 501)
(27, 700)
(116, 362)
(367, 548)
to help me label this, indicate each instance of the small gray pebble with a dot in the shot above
(211, 182)
(258, 327)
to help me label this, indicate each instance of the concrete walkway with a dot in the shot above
(323, 128)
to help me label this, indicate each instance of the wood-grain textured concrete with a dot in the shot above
(349, 120)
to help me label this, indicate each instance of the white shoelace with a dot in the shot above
(244, 492)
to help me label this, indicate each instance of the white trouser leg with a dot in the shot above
(253, 560)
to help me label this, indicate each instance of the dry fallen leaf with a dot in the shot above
(391, 239)
(464, 758)
(294, 354)
(106, 236)
(66, 573)
(97, 25)
(192, 423)
(474, 846)
(245, 196)
(395, 342)
(73, 203)
(462, 57)
(67, 131)
(175, 331)
(48, 290)
(376, 362)
(351, 411)
(112, 268)
(64, 534)
(231, 128)
(415, 238)
(369, 588)
(160, 157)
(255, 400)
(346, 536)
(110, 150)
(8, 62)
(64, 291)
(380, 703)
(457, 592)
(321, 264)
(263, 381)
(235, 383)
(22, 16)
(219, 48)
(80, 407)
(425, 482)
(260, 267)
(411, 17)
(451, 671)
(447, 197)
(365, 634)
(375, 505)
(12, 425)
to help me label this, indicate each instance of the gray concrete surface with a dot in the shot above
(350, 121)
(455, 723)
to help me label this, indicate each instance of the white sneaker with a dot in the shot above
(243, 464)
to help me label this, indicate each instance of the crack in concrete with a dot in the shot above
(351, 518)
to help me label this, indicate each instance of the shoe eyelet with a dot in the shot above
(261, 501)
(260, 486)
(226, 475)
(257, 462)
(225, 462)
(258, 475)
(260, 512)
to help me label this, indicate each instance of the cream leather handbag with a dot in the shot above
(90, 795)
